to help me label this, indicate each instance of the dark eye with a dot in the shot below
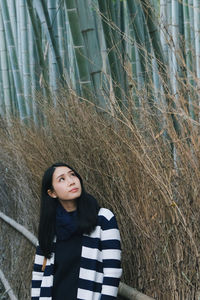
(61, 179)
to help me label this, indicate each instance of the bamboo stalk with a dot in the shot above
(130, 293)
(19, 228)
(53, 69)
(6, 94)
(163, 27)
(113, 40)
(12, 4)
(196, 8)
(2, 106)
(79, 48)
(7, 287)
(175, 46)
(25, 70)
(188, 53)
(34, 70)
(137, 21)
(90, 38)
(72, 65)
(46, 24)
(13, 59)
(35, 26)
(63, 41)
(18, 41)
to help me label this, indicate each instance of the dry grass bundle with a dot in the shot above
(150, 179)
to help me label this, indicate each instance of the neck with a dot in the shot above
(69, 205)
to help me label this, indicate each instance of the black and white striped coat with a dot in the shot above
(100, 266)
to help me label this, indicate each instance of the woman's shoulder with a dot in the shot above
(106, 219)
(105, 212)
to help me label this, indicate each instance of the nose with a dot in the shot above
(70, 181)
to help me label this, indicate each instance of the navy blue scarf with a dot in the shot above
(66, 223)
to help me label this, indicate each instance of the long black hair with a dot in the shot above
(87, 211)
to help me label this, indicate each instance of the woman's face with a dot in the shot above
(66, 185)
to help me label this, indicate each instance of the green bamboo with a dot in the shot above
(175, 34)
(106, 71)
(156, 44)
(138, 23)
(191, 16)
(43, 15)
(13, 59)
(18, 41)
(137, 80)
(125, 44)
(154, 33)
(2, 104)
(14, 108)
(91, 43)
(53, 69)
(113, 40)
(169, 33)
(34, 70)
(79, 48)
(12, 5)
(37, 36)
(5, 82)
(62, 41)
(91, 51)
(196, 8)
(164, 28)
(25, 70)
(72, 66)
(187, 37)
(146, 52)
(188, 53)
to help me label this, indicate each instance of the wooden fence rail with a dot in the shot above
(125, 291)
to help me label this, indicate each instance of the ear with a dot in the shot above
(52, 194)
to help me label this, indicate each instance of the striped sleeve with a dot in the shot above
(111, 257)
(37, 274)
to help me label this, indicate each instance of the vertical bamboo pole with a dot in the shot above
(73, 68)
(13, 59)
(62, 41)
(113, 40)
(175, 32)
(53, 70)
(197, 43)
(163, 28)
(79, 49)
(25, 56)
(91, 43)
(34, 71)
(106, 72)
(138, 23)
(18, 40)
(191, 17)
(42, 11)
(169, 33)
(188, 54)
(13, 17)
(2, 105)
(6, 94)
(37, 39)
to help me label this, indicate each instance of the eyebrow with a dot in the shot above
(64, 174)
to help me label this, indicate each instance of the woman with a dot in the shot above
(79, 253)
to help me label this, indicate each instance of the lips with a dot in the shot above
(73, 190)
